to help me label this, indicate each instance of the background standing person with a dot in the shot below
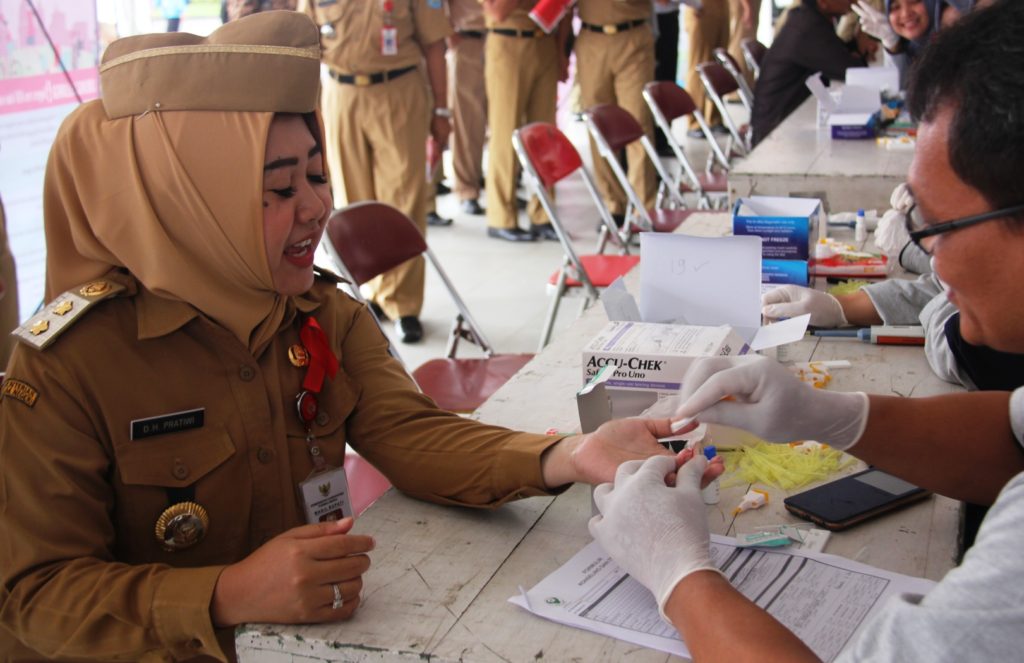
(236, 9)
(707, 29)
(614, 60)
(377, 114)
(666, 56)
(158, 484)
(467, 97)
(522, 67)
(744, 17)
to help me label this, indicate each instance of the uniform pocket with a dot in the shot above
(175, 460)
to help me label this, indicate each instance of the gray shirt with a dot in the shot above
(976, 613)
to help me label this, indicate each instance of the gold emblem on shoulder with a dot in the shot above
(20, 391)
(181, 526)
(95, 289)
(63, 308)
(40, 327)
(298, 355)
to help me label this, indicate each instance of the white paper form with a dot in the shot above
(823, 599)
(701, 280)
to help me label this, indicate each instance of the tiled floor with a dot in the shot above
(505, 284)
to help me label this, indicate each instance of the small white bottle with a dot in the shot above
(860, 228)
(710, 493)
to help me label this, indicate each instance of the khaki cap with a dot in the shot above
(266, 62)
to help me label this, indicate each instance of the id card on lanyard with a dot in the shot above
(324, 493)
(388, 32)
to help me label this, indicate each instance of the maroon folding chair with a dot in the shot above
(669, 102)
(717, 83)
(753, 52)
(613, 128)
(354, 242)
(547, 157)
(746, 95)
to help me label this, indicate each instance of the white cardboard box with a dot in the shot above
(653, 357)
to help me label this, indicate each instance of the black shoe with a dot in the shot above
(664, 151)
(378, 311)
(511, 234)
(443, 188)
(544, 231)
(720, 129)
(409, 329)
(471, 206)
(520, 203)
(435, 219)
(696, 134)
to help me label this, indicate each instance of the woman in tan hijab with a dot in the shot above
(157, 482)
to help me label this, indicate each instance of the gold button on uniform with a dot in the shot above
(322, 418)
(247, 373)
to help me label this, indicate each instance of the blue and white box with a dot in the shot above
(787, 226)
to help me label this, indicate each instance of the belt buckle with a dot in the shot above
(361, 80)
(610, 29)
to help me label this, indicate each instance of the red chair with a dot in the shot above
(753, 52)
(613, 128)
(547, 157)
(354, 242)
(669, 102)
(365, 482)
(746, 95)
(717, 83)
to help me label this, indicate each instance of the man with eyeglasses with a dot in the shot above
(967, 91)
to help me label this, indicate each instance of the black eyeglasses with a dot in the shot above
(919, 231)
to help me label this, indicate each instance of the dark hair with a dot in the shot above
(976, 66)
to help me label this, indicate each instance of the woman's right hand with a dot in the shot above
(290, 579)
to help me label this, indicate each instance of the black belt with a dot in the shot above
(508, 32)
(615, 28)
(362, 80)
(472, 34)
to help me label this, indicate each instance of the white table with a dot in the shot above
(441, 576)
(799, 158)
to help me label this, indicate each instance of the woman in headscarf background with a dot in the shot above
(155, 473)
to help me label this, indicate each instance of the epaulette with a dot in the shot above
(328, 275)
(44, 327)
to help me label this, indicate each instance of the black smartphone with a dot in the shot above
(853, 499)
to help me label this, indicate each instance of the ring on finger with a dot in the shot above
(337, 597)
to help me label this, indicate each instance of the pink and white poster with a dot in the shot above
(36, 93)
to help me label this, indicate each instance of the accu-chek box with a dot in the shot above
(653, 357)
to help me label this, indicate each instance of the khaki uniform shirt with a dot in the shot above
(83, 574)
(518, 18)
(610, 12)
(466, 14)
(353, 44)
(239, 8)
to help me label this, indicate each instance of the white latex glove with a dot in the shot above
(876, 24)
(657, 533)
(789, 301)
(891, 234)
(769, 401)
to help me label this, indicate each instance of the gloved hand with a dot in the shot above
(789, 301)
(769, 401)
(657, 533)
(891, 234)
(876, 24)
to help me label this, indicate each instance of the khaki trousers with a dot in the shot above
(708, 32)
(467, 97)
(9, 302)
(613, 69)
(738, 32)
(376, 150)
(521, 79)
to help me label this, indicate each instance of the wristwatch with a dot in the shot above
(443, 112)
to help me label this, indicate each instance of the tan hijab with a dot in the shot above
(165, 179)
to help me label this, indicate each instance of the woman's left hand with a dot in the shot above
(594, 457)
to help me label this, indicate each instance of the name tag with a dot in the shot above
(325, 496)
(174, 422)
